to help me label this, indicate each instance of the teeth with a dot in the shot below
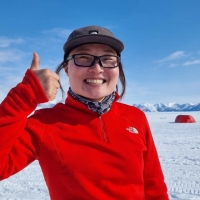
(94, 81)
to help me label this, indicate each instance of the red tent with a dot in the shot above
(185, 119)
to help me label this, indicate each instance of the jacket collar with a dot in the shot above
(98, 107)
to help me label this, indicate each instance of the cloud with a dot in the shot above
(194, 62)
(11, 55)
(58, 32)
(6, 42)
(173, 65)
(174, 56)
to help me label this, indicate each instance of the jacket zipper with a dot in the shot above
(104, 135)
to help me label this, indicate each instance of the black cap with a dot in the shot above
(92, 34)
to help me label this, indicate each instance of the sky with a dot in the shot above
(161, 58)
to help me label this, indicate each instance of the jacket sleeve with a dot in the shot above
(17, 145)
(155, 187)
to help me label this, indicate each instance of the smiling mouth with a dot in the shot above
(95, 81)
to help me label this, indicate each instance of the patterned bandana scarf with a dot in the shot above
(99, 107)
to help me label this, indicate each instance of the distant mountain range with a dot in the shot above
(147, 107)
(170, 107)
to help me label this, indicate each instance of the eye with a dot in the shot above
(109, 58)
(83, 57)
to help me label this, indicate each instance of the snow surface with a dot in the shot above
(178, 147)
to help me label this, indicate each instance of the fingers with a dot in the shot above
(51, 92)
(49, 81)
(35, 62)
(49, 73)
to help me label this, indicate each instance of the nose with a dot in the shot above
(96, 66)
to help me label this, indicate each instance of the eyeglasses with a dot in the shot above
(87, 60)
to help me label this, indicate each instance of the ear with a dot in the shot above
(66, 68)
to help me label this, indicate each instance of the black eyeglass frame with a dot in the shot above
(93, 62)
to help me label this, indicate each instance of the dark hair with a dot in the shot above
(121, 78)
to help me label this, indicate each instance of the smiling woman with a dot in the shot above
(81, 43)
(91, 147)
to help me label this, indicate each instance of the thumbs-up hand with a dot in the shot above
(47, 78)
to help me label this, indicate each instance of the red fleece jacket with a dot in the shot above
(82, 155)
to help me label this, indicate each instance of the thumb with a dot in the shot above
(35, 62)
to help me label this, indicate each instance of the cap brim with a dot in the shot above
(87, 39)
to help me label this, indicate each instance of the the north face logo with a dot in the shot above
(132, 130)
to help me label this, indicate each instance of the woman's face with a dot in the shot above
(93, 82)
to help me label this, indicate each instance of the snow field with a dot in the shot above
(178, 147)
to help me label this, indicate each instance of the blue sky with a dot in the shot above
(161, 37)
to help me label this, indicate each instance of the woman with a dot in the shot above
(91, 147)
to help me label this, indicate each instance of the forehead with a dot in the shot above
(94, 46)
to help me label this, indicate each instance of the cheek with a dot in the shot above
(69, 69)
(114, 74)
(75, 73)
